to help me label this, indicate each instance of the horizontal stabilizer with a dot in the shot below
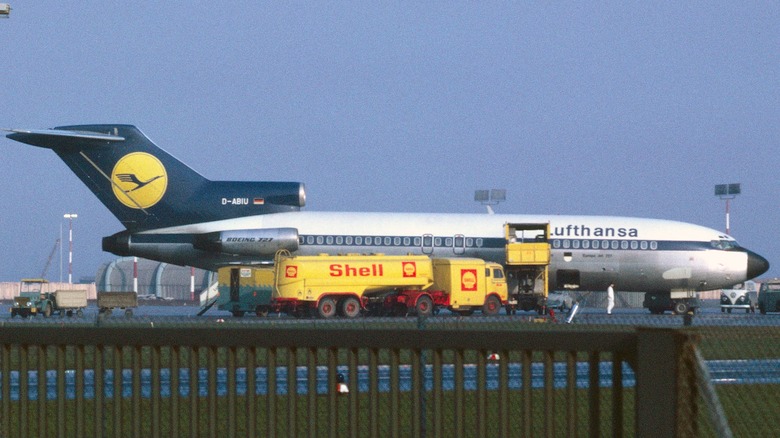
(51, 138)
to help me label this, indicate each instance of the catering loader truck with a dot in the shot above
(348, 285)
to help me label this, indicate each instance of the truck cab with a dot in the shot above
(769, 296)
(30, 297)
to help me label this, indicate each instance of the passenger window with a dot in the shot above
(348, 240)
(624, 244)
(437, 241)
(653, 245)
(329, 240)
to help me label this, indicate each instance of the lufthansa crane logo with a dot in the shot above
(139, 180)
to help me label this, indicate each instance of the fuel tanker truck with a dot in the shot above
(348, 285)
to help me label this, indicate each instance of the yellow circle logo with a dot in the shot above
(139, 180)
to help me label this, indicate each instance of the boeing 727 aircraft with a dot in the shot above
(173, 214)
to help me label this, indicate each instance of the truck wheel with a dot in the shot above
(69, 313)
(261, 311)
(491, 306)
(350, 307)
(128, 313)
(327, 307)
(681, 307)
(80, 313)
(424, 306)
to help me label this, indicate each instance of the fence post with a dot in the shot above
(659, 393)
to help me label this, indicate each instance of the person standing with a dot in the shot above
(610, 298)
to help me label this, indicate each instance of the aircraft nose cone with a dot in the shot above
(756, 265)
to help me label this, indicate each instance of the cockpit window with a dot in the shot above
(724, 244)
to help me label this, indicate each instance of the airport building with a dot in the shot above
(155, 279)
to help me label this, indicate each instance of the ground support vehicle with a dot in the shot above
(64, 302)
(769, 296)
(739, 299)
(527, 266)
(461, 285)
(679, 302)
(28, 301)
(245, 289)
(108, 301)
(348, 285)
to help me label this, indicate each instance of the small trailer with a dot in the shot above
(66, 302)
(108, 301)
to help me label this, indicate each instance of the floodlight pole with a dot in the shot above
(728, 192)
(70, 217)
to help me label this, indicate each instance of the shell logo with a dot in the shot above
(291, 271)
(468, 279)
(139, 180)
(409, 268)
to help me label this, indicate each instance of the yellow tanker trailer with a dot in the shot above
(325, 285)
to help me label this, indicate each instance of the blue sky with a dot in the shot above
(616, 108)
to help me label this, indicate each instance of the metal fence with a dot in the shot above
(402, 380)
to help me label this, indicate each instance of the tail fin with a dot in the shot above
(145, 187)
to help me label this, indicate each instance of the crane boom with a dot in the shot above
(51, 255)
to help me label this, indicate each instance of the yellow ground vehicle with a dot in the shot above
(327, 285)
(527, 265)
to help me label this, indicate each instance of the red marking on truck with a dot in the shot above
(346, 270)
(468, 279)
(409, 269)
(291, 271)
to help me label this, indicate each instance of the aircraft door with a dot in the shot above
(235, 283)
(459, 244)
(427, 244)
(567, 279)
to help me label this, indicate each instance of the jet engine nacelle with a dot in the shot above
(255, 242)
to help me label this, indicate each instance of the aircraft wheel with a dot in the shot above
(424, 306)
(326, 308)
(350, 307)
(491, 306)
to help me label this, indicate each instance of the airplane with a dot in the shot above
(173, 214)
